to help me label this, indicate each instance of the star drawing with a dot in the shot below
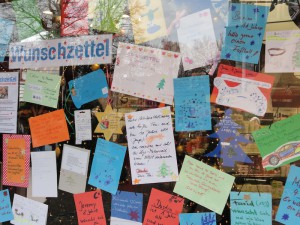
(285, 216)
(228, 56)
(134, 215)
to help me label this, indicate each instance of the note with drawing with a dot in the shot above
(151, 146)
(243, 89)
(74, 167)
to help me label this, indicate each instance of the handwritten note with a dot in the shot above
(74, 167)
(74, 18)
(204, 184)
(145, 72)
(147, 18)
(9, 89)
(27, 211)
(208, 218)
(6, 213)
(197, 40)
(44, 176)
(253, 208)
(89, 208)
(279, 144)
(16, 156)
(107, 165)
(151, 146)
(42, 88)
(282, 51)
(242, 89)
(163, 208)
(245, 31)
(6, 26)
(83, 125)
(192, 105)
(289, 208)
(48, 128)
(126, 208)
(88, 88)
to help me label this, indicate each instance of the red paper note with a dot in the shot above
(74, 20)
(89, 207)
(49, 128)
(16, 156)
(163, 209)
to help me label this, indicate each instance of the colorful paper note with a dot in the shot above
(197, 40)
(208, 218)
(145, 72)
(151, 146)
(126, 208)
(9, 82)
(16, 157)
(245, 32)
(89, 207)
(147, 19)
(279, 144)
(163, 208)
(27, 211)
(74, 18)
(282, 51)
(83, 125)
(88, 88)
(242, 89)
(6, 26)
(204, 184)
(49, 128)
(107, 165)
(83, 50)
(44, 175)
(192, 105)
(6, 213)
(229, 139)
(42, 88)
(289, 208)
(74, 167)
(109, 122)
(255, 208)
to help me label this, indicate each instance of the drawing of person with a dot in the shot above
(3, 92)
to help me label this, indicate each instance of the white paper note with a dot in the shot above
(44, 175)
(151, 146)
(27, 211)
(83, 125)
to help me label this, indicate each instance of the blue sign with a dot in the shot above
(192, 103)
(107, 165)
(6, 213)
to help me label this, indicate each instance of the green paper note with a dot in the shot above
(279, 144)
(42, 88)
(204, 184)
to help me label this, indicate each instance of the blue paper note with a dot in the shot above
(208, 218)
(127, 206)
(6, 27)
(255, 208)
(192, 104)
(245, 32)
(6, 213)
(107, 165)
(88, 88)
(289, 208)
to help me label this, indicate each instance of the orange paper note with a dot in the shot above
(16, 156)
(49, 128)
(163, 208)
(89, 207)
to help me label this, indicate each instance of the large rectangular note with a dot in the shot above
(44, 175)
(9, 89)
(204, 184)
(151, 146)
(74, 167)
(16, 157)
(145, 72)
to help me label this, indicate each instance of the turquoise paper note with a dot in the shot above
(208, 218)
(6, 213)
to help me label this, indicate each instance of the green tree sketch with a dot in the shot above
(161, 84)
(164, 170)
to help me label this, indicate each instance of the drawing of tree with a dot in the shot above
(161, 84)
(164, 170)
